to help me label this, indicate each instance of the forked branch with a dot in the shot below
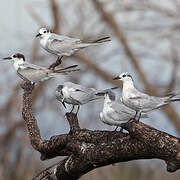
(87, 150)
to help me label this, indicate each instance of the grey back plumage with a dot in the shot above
(34, 73)
(66, 46)
(139, 101)
(75, 94)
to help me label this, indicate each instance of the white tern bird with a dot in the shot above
(115, 113)
(139, 101)
(60, 45)
(75, 94)
(34, 73)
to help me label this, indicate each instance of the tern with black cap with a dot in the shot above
(60, 45)
(139, 101)
(34, 73)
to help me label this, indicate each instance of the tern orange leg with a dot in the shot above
(57, 63)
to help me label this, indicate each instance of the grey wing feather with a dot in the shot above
(34, 75)
(62, 44)
(32, 66)
(78, 87)
(82, 94)
(120, 108)
(22, 77)
(63, 38)
(116, 114)
(141, 100)
(148, 102)
(125, 112)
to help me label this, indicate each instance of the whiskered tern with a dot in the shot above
(115, 113)
(139, 101)
(60, 45)
(34, 73)
(76, 94)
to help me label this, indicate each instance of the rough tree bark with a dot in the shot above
(87, 150)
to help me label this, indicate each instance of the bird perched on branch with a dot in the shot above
(115, 113)
(75, 94)
(34, 73)
(60, 45)
(139, 101)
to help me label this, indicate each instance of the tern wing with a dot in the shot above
(34, 75)
(74, 86)
(147, 103)
(63, 38)
(125, 112)
(137, 100)
(31, 66)
(78, 87)
(122, 111)
(82, 95)
(62, 45)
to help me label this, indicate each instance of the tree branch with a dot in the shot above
(87, 150)
(56, 143)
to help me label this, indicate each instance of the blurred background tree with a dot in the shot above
(145, 38)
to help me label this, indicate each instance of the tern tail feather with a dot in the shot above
(65, 72)
(67, 69)
(174, 100)
(170, 97)
(100, 40)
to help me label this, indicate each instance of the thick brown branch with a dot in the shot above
(87, 150)
(73, 121)
(55, 144)
(158, 142)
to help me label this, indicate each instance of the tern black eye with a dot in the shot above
(44, 32)
(14, 56)
(124, 75)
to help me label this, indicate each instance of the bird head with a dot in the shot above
(43, 32)
(124, 77)
(15, 57)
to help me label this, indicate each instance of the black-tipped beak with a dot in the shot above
(116, 78)
(37, 35)
(64, 104)
(7, 58)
